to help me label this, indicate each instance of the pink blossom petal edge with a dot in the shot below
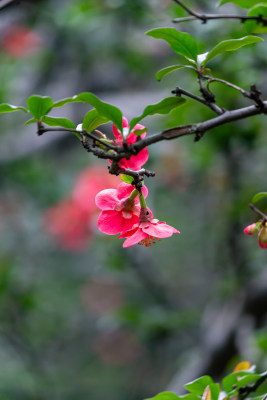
(107, 199)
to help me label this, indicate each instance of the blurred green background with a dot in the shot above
(106, 321)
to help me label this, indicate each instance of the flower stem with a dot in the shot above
(142, 200)
(133, 194)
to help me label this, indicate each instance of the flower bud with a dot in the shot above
(263, 237)
(252, 229)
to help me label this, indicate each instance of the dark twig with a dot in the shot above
(209, 97)
(206, 17)
(254, 94)
(246, 390)
(179, 92)
(264, 216)
(138, 176)
(42, 129)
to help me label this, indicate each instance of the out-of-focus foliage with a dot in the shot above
(108, 322)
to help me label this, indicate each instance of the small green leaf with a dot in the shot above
(92, 120)
(39, 105)
(110, 112)
(246, 380)
(165, 71)
(165, 396)
(181, 43)
(64, 122)
(61, 103)
(106, 110)
(241, 3)
(230, 45)
(30, 121)
(252, 26)
(199, 385)
(139, 132)
(230, 381)
(127, 178)
(258, 197)
(6, 108)
(163, 107)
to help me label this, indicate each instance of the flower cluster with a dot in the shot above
(259, 228)
(123, 207)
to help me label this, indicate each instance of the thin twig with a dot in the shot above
(179, 91)
(254, 94)
(206, 17)
(253, 208)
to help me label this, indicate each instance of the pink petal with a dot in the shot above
(110, 222)
(132, 137)
(135, 162)
(107, 199)
(160, 230)
(124, 190)
(125, 124)
(135, 238)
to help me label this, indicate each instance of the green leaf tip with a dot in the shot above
(182, 43)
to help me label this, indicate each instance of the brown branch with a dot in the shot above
(206, 17)
(197, 129)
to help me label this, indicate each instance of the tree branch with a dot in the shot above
(197, 129)
(206, 17)
(253, 208)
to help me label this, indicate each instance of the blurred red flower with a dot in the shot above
(20, 41)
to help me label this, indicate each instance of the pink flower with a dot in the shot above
(119, 212)
(135, 162)
(69, 225)
(147, 230)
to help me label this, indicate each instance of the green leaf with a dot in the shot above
(6, 108)
(181, 43)
(246, 380)
(139, 132)
(258, 197)
(64, 122)
(230, 381)
(251, 26)
(215, 391)
(39, 105)
(230, 45)
(241, 3)
(165, 71)
(30, 121)
(127, 178)
(92, 120)
(106, 110)
(61, 103)
(165, 396)
(163, 107)
(199, 385)
(110, 112)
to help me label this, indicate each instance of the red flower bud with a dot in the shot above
(252, 229)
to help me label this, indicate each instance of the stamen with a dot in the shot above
(148, 240)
